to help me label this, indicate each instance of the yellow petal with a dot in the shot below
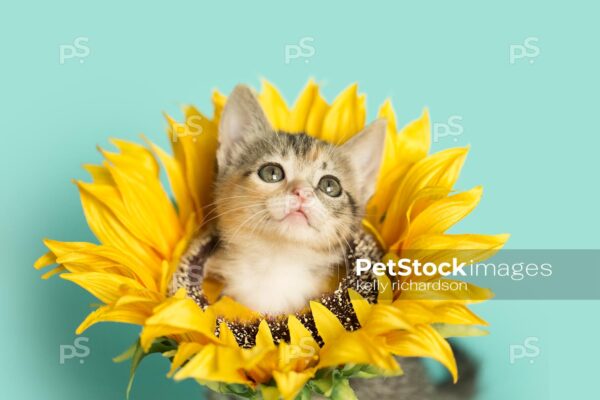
(449, 331)
(302, 349)
(386, 111)
(99, 174)
(443, 214)
(316, 116)
(290, 383)
(384, 287)
(468, 293)
(166, 273)
(402, 151)
(233, 310)
(384, 319)
(274, 106)
(204, 141)
(419, 200)
(423, 341)
(177, 316)
(215, 363)
(44, 261)
(95, 258)
(53, 272)
(357, 348)
(438, 311)
(61, 248)
(298, 332)
(226, 337)
(128, 315)
(456, 313)
(390, 173)
(468, 248)
(414, 139)
(133, 158)
(105, 287)
(328, 325)
(136, 154)
(177, 181)
(303, 107)
(185, 351)
(264, 338)
(361, 307)
(261, 359)
(218, 100)
(138, 298)
(438, 170)
(269, 392)
(110, 197)
(109, 230)
(148, 207)
(194, 145)
(345, 118)
(174, 131)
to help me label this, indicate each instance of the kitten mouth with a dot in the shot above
(297, 216)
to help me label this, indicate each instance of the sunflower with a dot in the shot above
(143, 230)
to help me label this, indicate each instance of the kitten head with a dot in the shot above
(292, 187)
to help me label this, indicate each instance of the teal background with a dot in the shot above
(532, 127)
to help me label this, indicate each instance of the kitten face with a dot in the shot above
(290, 186)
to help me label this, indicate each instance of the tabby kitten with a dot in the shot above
(285, 206)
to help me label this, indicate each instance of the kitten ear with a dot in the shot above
(242, 119)
(365, 151)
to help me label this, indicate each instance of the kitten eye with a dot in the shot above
(330, 186)
(271, 173)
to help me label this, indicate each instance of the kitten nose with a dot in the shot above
(303, 193)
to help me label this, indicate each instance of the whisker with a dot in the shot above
(229, 198)
(233, 237)
(227, 211)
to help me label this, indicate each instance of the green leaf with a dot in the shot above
(327, 382)
(126, 355)
(214, 386)
(269, 392)
(160, 345)
(370, 371)
(324, 381)
(138, 355)
(240, 390)
(343, 391)
(305, 394)
(349, 370)
(321, 386)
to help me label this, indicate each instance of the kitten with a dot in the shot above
(285, 206)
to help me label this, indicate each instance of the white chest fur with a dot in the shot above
(274, 278)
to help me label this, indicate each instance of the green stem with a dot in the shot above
(343, 391)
